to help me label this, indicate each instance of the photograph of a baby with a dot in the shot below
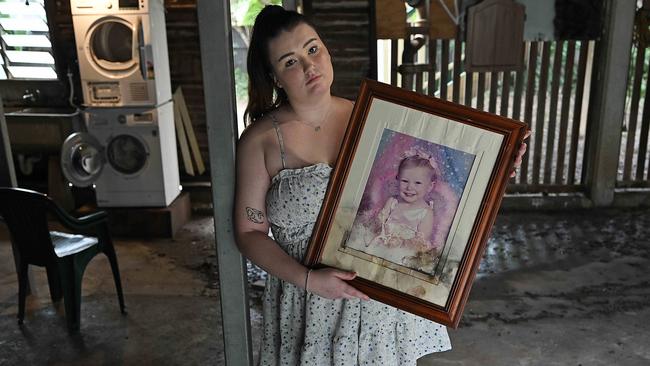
(409, 202)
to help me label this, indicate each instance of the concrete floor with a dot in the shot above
(566, 288)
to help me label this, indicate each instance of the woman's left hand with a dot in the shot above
(522, 150)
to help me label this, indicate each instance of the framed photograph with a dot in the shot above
(413, 198)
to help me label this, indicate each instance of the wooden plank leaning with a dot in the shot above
(179, 102)
(182, 141)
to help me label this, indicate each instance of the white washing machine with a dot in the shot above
(122, 52)
(128, 155)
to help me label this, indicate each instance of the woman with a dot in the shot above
(284, 161)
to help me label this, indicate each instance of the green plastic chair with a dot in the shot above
(26, 212)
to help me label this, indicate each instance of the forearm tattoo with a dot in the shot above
(255, 215)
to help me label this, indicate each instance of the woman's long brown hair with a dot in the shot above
(263, 94)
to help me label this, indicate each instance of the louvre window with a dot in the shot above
(25, 48)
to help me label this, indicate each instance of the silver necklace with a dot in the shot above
(315, 127)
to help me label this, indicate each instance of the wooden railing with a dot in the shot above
(550, 94)
(589, 116)
(633, 163)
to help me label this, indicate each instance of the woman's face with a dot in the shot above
(301, 63)
(414, 183)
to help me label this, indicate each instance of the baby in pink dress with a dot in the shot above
(407, 219)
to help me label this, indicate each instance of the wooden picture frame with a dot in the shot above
(416, 250)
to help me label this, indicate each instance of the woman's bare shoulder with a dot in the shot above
(257, 131)
(344, 109)
(345, 103)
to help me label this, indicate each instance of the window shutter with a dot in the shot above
(25, 48)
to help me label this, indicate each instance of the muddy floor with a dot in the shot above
(569, 288)
(559, 289)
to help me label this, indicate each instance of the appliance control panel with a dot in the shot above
(108, 7)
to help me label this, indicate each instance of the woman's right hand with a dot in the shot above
(330, 283)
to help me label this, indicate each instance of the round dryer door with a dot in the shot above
(111, 42)
(82, 159)
(127, 154)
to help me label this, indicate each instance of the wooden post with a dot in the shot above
(215, 35)
(607, 102)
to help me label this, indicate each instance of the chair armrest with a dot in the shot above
(81, 223)
(93, 217)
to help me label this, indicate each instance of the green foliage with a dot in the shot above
(243, 12)
(241, 84)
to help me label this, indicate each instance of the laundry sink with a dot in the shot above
(39, 129)
(42, 111)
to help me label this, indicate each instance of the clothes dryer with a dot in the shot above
(128, 155)
(122, 52)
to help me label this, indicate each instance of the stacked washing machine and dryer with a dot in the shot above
(128, 153)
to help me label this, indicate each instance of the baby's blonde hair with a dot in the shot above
(418, 162)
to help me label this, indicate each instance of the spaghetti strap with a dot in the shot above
(280, 140)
